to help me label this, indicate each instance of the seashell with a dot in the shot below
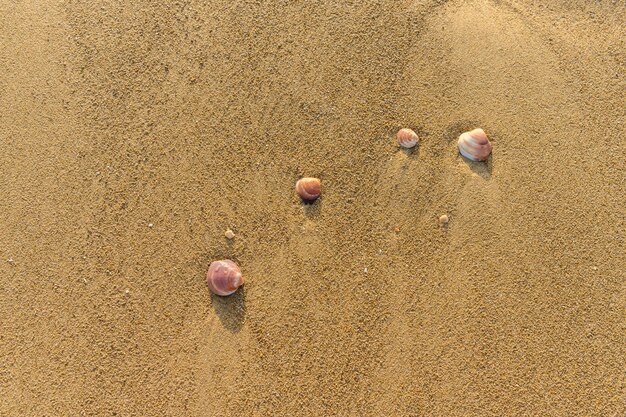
(407, 138)
(309, 188)
(224, 277)
(444, 219)
(229, 234)
(474, 145)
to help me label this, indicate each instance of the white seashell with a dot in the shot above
(474, 145)
(407, 138)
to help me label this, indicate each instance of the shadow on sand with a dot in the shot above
(312, 209)
(231, 310)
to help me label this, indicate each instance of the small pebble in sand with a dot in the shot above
(396, 230)
(126, 291)
(10, 260)
(444, 219)
(229, 234)
(474, 145)
(595, 268)
(309, 188)
(224, 277)
(365, 270)
(407, 138)
(150, 225)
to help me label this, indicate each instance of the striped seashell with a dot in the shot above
(224, 277)
(407, 138)
(474, 145)
(309, 188)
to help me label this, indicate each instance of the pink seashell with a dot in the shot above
(474, 145)
(224, 277)
(407, 138)
(309, 188)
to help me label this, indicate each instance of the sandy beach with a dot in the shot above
(134, 134)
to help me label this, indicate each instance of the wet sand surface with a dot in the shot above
(134, 134)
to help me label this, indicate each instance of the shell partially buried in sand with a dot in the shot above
(474, 145)
(309, 188)
(224, 277)
(407, 138)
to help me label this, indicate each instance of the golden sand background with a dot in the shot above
(194, 117)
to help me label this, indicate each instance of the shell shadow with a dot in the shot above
(312, 209)
(412, 153)
(482, 169)
(231, 309)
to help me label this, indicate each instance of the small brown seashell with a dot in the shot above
(309, 188)
(474, 145)
(224, 277)
(407, 138)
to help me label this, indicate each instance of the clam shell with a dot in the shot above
(407, 138)
(224, 277)
(309, 188)
(474, 145)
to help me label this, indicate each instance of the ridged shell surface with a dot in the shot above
(224, 277)
(474, 145)
(309, 188)
(407, 138)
